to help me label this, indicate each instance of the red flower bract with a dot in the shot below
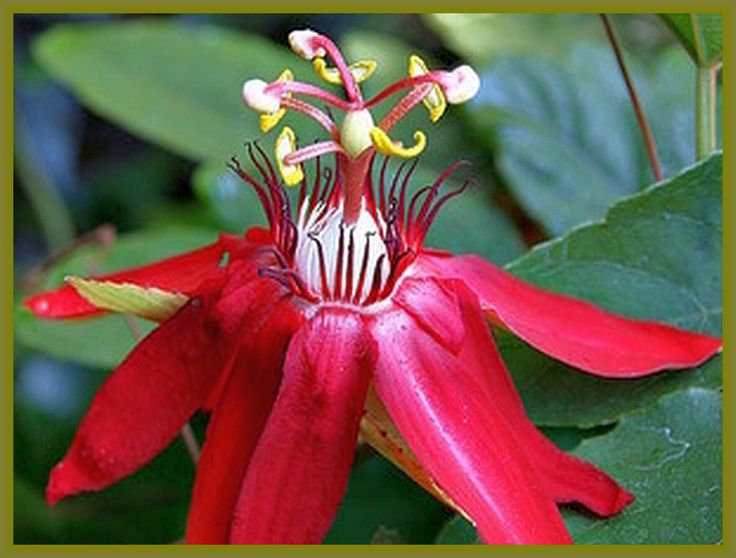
(336, 319)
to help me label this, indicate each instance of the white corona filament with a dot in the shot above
(316, 229)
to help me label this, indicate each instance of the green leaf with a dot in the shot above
(382, 505)
(172, 84)
(482, 37)
(657, 256)
(103, 342)
(233, 203)
(670, 457)
(709, 27)
(564, 135)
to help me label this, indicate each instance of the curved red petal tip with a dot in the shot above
(38, 304)
(63, 481)
(624, 499)
(575, 331)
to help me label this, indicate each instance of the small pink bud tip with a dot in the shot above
(257, 98)
(460, 85)
(304, 42)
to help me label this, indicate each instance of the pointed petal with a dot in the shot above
(574, 331)
(179, 274)
(300, 469)
(148, 398)
(235, 427)
(566, 477)
(434, 305)
(143, 405)
(460, 437)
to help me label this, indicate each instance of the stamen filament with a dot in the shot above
(401, 109)
(312, 151)
(348, 80)
(308, 90)
(400, 85)
(313, 112)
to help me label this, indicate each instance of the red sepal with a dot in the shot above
(300, 468)
(574, 331)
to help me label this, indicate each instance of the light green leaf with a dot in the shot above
(172, 84)
(482, 37)
(103, 342)
(708, 30)
(564, 135)
(657, 256)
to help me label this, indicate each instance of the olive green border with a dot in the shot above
(11, 7)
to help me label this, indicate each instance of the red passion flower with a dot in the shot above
(335, 321)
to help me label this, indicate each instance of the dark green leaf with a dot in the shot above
(710, 29)
(102, 343)
(669, 456)
(657, 255)
(384, 506)
(564, 133)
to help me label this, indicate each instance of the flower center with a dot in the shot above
(340, 261)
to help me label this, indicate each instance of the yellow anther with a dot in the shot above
(383, 144)
(361, 70)
(285, 145)
(269, 119)
(435, 99)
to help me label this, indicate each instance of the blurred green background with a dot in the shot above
(128, 121)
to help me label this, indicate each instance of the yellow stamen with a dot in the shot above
(268, 120)
(286, 144)
(361, 70)
(435, 99)
(383, 144)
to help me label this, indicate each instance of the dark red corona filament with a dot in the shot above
(401, 226)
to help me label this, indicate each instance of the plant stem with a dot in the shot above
(705, 95)
(705, 110)
(190, 441)
(646, 131)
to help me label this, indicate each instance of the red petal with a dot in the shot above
(235, 427)
(573, 331)
(433, 304)
(300, 469)
(149, 397)
(182, 274)
(460, 437)
(567, 478)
